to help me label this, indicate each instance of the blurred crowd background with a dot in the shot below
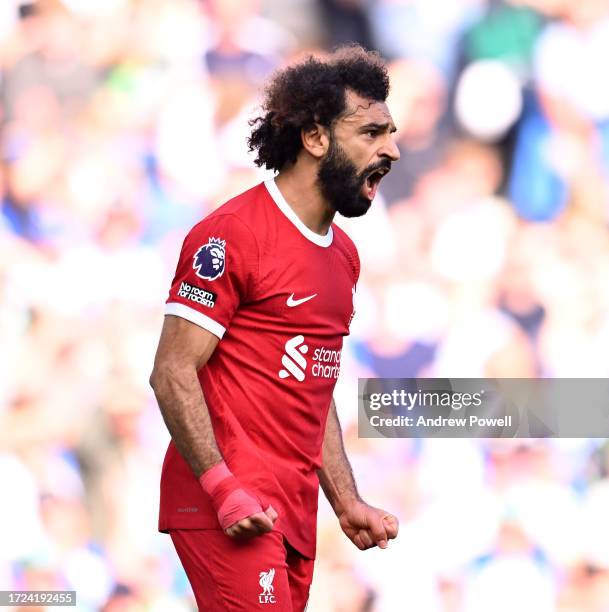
(486, 253)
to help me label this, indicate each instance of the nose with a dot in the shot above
(389, 149)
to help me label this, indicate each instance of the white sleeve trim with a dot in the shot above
(196, 317)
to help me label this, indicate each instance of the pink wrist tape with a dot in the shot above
(230, 500)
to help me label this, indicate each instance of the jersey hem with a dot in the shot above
(194, 316)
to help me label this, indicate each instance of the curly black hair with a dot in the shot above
(310, 92)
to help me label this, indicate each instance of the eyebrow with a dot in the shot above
(381, 127)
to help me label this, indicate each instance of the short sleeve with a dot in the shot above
(217, 271)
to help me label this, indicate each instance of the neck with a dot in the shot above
(299, 187)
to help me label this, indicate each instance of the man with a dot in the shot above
(250, 347)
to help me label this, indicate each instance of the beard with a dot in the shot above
(341, 184)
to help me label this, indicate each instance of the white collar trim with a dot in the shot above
(286, 209)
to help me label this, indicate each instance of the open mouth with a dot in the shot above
(372, 182)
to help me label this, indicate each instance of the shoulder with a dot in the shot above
(238, 218)
(229, 235)
(246, 205)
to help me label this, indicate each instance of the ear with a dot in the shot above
(316, 140)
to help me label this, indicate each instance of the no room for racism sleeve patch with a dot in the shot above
(196, 294)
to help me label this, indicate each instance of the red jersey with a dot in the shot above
(280, 297)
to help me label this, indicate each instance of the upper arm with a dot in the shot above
(216, 272)
(183, 344)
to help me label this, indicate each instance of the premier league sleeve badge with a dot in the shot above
(208, 261)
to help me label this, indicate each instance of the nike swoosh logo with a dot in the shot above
(292, 302)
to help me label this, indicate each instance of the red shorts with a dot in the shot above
(263, 573)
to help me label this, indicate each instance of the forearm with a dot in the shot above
(335, 475)
(186, 415)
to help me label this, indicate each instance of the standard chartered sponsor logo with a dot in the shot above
(292, 360)
(325, 362)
